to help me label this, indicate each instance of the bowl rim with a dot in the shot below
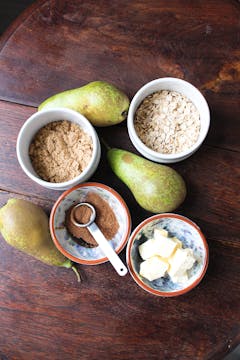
(135, 276)
(145, 148)
(95, 143)
(52, 217)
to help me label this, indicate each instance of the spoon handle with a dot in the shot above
(107, 249)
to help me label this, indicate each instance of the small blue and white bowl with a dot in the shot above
(191, 237)
(65, 242)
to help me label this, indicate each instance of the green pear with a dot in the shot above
(156, 188)
(103, 104)
(24, 226)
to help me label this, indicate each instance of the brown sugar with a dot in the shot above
(60, 151)
(105, 219)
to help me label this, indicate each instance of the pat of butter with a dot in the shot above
(165, 254)
(153, 268)
(160, 231)
(181, 261)
(160, 245)
(182, 278)
(164, 246)
(179, 243)
(147, 249)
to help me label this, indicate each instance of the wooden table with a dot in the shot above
(57, 45)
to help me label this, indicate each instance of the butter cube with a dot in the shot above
(180, 278)
(160, 231)
(153, 268)
(147, 249)
(179, 243)
(181, 261)
(164, 246)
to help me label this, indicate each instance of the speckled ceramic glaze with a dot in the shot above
(64, 240)
(191, 237)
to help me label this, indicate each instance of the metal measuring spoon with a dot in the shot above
(100, 238)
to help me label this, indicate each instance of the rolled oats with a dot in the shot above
(167, 122)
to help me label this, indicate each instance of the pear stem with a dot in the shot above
(76, 272)
(69, 264)
(105, 144)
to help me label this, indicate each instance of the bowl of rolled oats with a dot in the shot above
(58, 148)
(168, 120)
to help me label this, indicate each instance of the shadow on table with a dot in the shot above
(9, 10)
(234, 355)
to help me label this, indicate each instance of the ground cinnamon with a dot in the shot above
(82, 214)
(105, 219)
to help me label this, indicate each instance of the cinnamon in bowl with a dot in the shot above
(105, 219)
(112, 217)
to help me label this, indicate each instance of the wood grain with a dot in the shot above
(56, 45)
(71, 41)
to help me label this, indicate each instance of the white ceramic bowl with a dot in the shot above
(191, 237)
(42, 118)
(172, 84)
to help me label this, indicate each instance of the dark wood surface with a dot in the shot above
(9, 10)
(57, 45)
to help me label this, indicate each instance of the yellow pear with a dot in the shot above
(103, 104)
(25, 226)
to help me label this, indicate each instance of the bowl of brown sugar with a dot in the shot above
(58, 148)
(168, 120)
(112, 218)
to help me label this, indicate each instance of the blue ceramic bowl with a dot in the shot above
(65, 242)
(191, 237)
